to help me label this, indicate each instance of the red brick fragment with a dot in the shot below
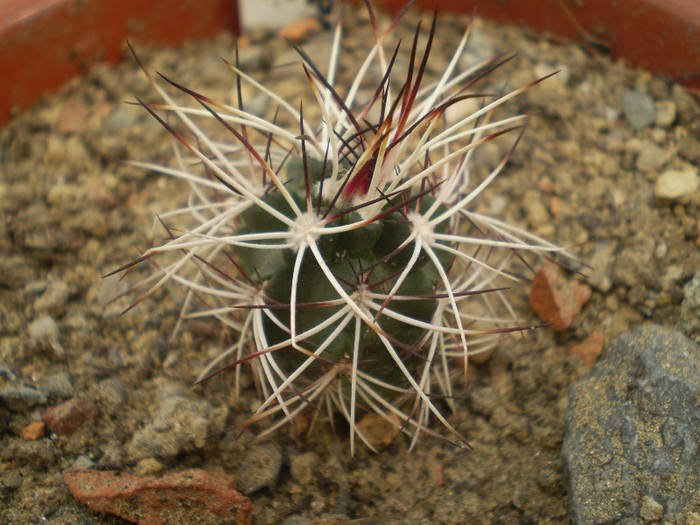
(69, 415)
(178, 498)
(589, 350)
(555, 299)
(300, 30)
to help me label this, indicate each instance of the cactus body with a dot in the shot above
(347, 256)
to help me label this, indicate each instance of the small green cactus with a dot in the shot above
(348, 257)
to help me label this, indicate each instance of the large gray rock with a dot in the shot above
(633, 431)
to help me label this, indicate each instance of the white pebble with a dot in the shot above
(44, 329)
(675, 185)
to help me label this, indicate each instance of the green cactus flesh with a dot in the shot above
(365, 258)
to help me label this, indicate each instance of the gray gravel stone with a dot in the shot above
(633, 429)
(38, 454)
(638, 108)
(260, 468)
(111, 395)
(303, 467)
(181, 424)
(58, 386)
(602, 263)
(54, 298)
(19, 396)
(689, 322)
(651, 158)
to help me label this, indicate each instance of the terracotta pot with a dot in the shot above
(43, 43)
(662, 36)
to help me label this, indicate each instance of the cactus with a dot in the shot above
(347, 256)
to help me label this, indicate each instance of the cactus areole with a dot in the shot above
(346, 254)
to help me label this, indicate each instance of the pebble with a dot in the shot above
(113, 455)
(58, 386)
(188, 496)
(303, 467)
(148, 467)
(378, 431)
(555, 299)
(252, 58)
(43, 328)
(633, 427)
(54, 298)
(536, 211)
(11, 322)
(67, 417)
(18, 396)
(83, 462)
(12, 479)
(651, 158)
(651, 509)
(589, 350)
(181, 423)
(74, 116)
(16, 271)
(677, 185)
(39, 454)
(665, 113)
(260, 468)
(111, 395)
(34, 430)
(297, 519)
(300, 30)
(688, 109)
(638, 108)
(688, 146)
(484, 399)
(689, 322)
(602, 263)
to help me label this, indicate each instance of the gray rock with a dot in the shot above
(602, 263)
(638, 108)
(112, 395)
(83, 462)
(19, 396)
(38, 455)
(303, 467)
(260, 468)
(181, 424)
(633, 429)
(689, 322)
(651, 158)
(58, 386)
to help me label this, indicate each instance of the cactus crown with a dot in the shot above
(347, 256)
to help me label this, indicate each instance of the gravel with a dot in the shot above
(584, 175)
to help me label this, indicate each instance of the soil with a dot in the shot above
(73, 211)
